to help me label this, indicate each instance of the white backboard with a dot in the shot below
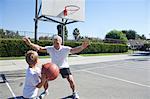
(55, 8)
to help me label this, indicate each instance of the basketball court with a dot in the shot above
(119, 79)
(116, 79)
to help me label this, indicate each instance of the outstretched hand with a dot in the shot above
(26, 40)
(85, 43)
(32, 45)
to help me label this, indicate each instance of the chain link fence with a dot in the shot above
(12, 34)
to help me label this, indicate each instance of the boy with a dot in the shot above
(59, 54)
(34, 79)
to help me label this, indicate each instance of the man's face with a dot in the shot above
(57, 43)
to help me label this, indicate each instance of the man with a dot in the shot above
(59, 54)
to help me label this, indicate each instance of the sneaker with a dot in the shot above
(43, 94)
(75, 95)
(47, 92)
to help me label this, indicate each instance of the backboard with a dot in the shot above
(67, 9)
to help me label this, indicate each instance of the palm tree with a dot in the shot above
(76, 33)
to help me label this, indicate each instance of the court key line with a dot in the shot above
(6, 82)
(119, 79)
(11, 90)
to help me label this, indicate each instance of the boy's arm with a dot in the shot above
(34, 46)
(80, 48)
(43, 81)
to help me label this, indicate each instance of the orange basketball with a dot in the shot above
(50, 70)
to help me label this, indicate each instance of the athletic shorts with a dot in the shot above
(65, 72)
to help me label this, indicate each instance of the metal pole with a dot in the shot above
(36, 21)
(63, 32)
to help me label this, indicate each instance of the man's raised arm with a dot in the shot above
(80, 48)
(34, 46)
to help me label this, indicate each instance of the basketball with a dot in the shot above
(50, 70)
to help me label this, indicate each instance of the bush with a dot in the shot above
(105, 48)
(11, 47)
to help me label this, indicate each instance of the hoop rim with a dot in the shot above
(74, 8)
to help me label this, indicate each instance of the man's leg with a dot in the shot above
(71, 82)
(72, 86)
(66, 73)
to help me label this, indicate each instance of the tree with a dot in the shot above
(9, 34)
(130, 34)
(60, 29)
(2, 33)
(143, 37)
(44, 38)
(76, 34)
(118, 35)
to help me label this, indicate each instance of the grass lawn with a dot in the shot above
(99, 54)
(17, 58)
(106, 54)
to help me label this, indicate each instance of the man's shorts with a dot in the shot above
(65, 72)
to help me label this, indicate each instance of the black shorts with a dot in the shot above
(65, 72)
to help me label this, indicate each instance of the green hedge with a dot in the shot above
(105, 48)
(11, 47)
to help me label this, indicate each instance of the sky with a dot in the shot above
(101, 16)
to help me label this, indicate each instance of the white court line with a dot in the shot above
(6, 82)
(11, 90)
(123, 80)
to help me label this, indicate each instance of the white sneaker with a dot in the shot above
(43, 94)
(75, 95)
(47, 92)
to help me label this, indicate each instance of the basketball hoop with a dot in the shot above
(70, 9)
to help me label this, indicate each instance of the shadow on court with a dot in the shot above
(18, 97)
(21, 97)
(68, 97)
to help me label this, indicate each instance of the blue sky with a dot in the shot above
(101, 16)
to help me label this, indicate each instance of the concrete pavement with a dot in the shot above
(97, 77)
(11, 65)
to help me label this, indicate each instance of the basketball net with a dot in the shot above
(65, 11)
(70, 8)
